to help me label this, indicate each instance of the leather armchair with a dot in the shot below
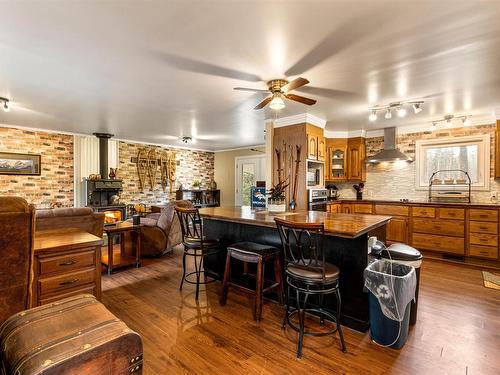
(83, 218)
(16, 244)
(161, 231)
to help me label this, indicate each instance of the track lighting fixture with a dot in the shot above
(399, 107)
(448, 121)
(417, 107)
(5, 107)
(186, 140)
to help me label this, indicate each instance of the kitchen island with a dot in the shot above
(346, 244)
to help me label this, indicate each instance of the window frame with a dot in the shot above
(483, 159)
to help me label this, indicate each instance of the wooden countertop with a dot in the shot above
(63, 239)
(341, 225)
(494, 206)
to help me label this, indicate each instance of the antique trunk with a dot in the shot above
(76, 335)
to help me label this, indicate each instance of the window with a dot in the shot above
(470, 154)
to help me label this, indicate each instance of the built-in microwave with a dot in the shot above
(315, 174)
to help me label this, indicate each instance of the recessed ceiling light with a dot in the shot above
(373, 116)
(388, 114)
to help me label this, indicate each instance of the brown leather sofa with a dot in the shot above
(16, 244)
(83, 218)
(161, 231)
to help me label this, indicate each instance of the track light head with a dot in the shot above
(433, 126)
(466, 121)
(401, 111)
(373, 115)
(5, 106)
(417, 107)
(388, 114)
(187, 140)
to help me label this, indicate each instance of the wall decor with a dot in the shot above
(164, 162)
(20, 164)
(142, 165)
(171, 170)
(152, 167)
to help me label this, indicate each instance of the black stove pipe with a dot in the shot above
(103, 153)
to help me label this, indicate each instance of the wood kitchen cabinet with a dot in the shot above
(321, 154)
(356, 166)
(336, 161)
(312, 147)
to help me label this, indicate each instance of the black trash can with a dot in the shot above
(404, 254)
(392, 288)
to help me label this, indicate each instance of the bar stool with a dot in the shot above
(307, 273)
(251, 252)
(195, 245)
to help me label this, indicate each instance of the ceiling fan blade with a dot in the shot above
(300, 99)
(249, 89)
(263, 103)
(296, 83)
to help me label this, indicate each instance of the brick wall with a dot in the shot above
(55, 184)
(397, 180)
(191, 165)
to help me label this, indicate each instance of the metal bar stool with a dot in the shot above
(307, 273)
(195, 245)
(251, 252)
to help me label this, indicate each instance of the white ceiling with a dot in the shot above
(148, 71)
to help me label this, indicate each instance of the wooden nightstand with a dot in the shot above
(67, 262)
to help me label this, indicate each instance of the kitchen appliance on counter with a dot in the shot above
(333, 192)
(317, 199)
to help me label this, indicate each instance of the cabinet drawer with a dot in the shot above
(483, 215)
(362, 208)
(444, 227)
(63, 282)
(451, 213)
(387, 209)
(424, 212)
(483, 251)
(483, 239)
(483, 227)
(67, 262)
(445, 244)
(85, 290)
(334, 208)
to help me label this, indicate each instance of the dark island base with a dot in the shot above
(349, 254)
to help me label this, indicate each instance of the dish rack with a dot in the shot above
(449, 189)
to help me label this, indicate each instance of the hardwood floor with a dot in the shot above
(458, 328)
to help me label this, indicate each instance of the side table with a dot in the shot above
(113, 261)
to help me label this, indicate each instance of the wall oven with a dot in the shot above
(318, 199)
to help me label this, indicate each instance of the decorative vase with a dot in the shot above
(276, 205)
(359, 195)
(112, 173)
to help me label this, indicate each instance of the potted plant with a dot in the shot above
(276, 201)
(196, 184)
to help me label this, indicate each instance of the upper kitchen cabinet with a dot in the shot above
(316, 145)
(346, 159)
(356, 166)
(336, 159)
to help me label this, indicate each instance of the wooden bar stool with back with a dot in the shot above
(196, 245)
(308, 274)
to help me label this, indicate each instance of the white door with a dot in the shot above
(249, 169)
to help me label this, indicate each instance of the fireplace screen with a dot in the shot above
(112, 216)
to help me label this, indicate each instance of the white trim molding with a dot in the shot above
(299, 119)
(345, 133)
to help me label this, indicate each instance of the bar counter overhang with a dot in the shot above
(346, 246)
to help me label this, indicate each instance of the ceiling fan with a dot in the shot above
(279, 89)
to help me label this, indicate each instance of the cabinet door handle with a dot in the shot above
(68, 282)
(68, 263)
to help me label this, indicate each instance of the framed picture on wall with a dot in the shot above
(20, 164)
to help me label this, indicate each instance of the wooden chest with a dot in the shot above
(76, 335)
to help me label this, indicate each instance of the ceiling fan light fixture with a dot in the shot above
(277, 103)
(373, 115)
(388, 114)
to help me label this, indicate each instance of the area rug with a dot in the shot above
(491, 280)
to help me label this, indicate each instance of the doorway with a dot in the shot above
(249, 169)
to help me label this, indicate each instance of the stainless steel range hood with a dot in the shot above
(390, 153)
